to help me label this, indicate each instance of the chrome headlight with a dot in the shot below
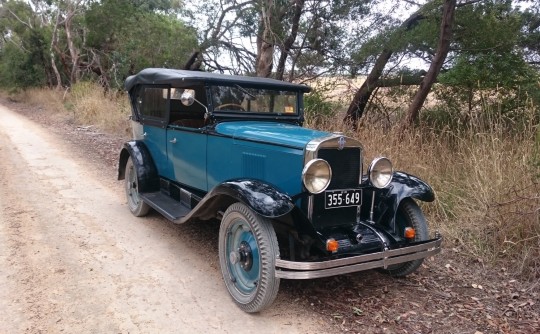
(316, 176)
(380, 172)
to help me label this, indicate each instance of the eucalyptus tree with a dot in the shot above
(285, 39)
(485, 40)
(58, 42)
(495, 47)
(24, 60)
(123, 37)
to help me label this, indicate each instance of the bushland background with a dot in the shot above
(449, 90)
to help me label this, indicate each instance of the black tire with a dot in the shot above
(409, 214)
(248, 249)
(136, 205)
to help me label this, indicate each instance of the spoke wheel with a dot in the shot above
(247, 251)
(409, 215)
(136, 205)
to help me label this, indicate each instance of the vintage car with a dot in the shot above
(293, 202)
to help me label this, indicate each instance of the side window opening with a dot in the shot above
(153, 104)
(188, 116)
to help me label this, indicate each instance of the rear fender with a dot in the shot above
(147, 174)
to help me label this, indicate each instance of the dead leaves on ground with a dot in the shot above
(440, 298)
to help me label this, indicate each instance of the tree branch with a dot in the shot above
(27, 24)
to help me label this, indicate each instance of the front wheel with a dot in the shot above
(409, 214)
(136, 205)
(248, 249)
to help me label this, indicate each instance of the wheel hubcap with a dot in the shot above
(246, 257)
(131, 188)
(243, 256)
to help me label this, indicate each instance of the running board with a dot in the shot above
(164, 204)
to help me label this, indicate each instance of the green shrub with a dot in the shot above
(317, 107)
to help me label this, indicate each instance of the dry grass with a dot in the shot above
(91, 106)
(50, 100)
(486, 181)
(84, 104)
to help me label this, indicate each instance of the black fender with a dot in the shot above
(147, 174)
(261, 197)
(403, 186)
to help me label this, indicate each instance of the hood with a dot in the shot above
(269, 132)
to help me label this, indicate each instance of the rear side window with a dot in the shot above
(153, 104)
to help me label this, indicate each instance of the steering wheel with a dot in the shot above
(230, 105)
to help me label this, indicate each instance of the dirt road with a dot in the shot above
(73, 259)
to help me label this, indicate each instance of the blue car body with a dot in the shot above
(204, 141)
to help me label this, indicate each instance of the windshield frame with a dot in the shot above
(296, 117)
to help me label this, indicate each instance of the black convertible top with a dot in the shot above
(182, 78)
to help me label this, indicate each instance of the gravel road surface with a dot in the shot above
(74, 260)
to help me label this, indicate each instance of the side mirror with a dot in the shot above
(188, 97)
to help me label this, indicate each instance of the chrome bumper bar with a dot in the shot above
(307, 270)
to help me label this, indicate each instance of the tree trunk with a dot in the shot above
(73, 51)
(265, 46)
(362, 96)
(287, 45)
(54, 45)
(442, 51)
(194, 62)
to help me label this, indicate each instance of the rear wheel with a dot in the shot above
(409, 214)
(136, 205)
(248, 249)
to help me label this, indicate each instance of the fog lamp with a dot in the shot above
(410, 233)
(332, 245)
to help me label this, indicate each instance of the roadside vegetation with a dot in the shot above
(485, 175)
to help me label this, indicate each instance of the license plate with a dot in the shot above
(342, 198)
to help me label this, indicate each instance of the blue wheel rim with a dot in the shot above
(245, 272)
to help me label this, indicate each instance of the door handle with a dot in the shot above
(173, 141)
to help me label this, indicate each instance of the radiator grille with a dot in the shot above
(345, 166)
(346, 171)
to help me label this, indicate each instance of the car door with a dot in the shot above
(152, 103)
(187, 154)
(187, 139)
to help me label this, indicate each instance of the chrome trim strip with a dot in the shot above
(307, 270)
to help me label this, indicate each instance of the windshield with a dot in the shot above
(254, 100)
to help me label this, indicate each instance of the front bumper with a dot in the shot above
(307, 270)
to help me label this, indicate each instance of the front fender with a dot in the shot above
(147, 174)
(261, 197)
(403, 186)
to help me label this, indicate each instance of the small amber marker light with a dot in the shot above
(410, 233)
(332, 245)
